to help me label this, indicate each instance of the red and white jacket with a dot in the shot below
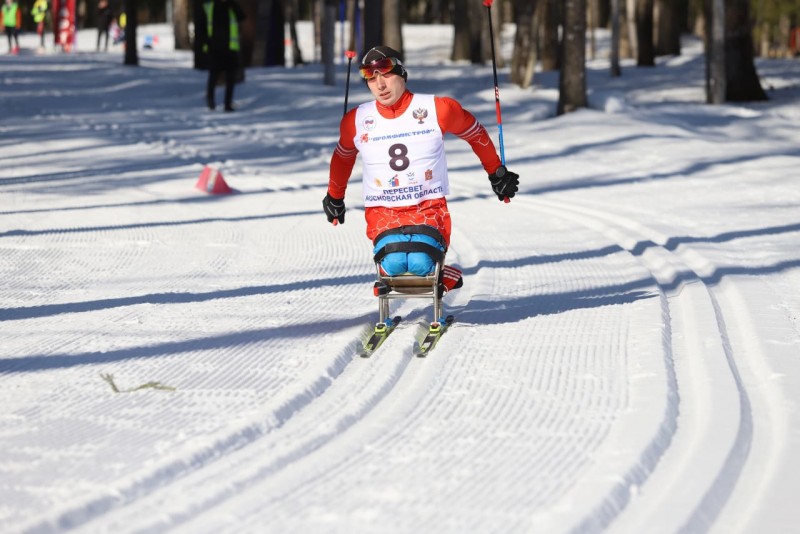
(381, 216)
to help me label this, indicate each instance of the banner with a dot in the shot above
(64, 24)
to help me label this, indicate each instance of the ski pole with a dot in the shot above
(488, 4)
(350, 55)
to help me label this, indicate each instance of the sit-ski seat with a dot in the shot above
(410, 285)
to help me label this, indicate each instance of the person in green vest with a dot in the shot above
(219, 36)
(12, 22)
(39, 12)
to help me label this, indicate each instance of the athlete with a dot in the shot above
(400, 138)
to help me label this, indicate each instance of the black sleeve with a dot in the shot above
(240, 16)
(200, 25)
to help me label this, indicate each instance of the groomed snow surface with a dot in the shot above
(626, 349)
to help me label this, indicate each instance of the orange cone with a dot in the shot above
(212, 182)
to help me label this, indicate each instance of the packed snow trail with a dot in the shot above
(624, 356)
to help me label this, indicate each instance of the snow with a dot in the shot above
(625, 352)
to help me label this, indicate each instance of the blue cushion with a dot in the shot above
(417, 263)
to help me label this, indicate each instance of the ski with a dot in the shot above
(435, 332)
(378, 336)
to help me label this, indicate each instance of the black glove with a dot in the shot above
(504, 183)
(334, 208)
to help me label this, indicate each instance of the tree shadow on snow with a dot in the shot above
(48, 310)
(513, 310)
(107, 228)
(33, 363)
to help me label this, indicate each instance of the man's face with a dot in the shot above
(387, 88)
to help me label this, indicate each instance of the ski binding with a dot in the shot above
(378, 336)
(434, 333)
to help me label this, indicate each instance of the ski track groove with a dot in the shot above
(189, 458)
(387, 409)
(281, 514)
(273, 454)
(291, 458)
(716, 491)
(381, 416)
(144, 483)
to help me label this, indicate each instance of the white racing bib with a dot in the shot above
(403, 158)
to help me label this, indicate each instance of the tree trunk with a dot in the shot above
(131, 13)
(646, 56)
(317, 10)
(668, 34)
(523, 61)
(438, 12)
(742, 83)
(180, 24)
(630, 18)
(616, 70)
(329, 40)
(602, 12)
(275, 53)
(373, 24)
(247, 31)
(291, 16)
(200, 57)
(591, 23)
(549, 21)
(356, 16)
(715, 51)
(462, 37)
(392, 24)
(572, 84)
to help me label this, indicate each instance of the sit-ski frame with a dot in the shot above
(410, 286)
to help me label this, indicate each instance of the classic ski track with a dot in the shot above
(376, 390)
(361, 391)
(226, 445)
(283, 462)
(87, 506)
(690, 411)
(282, 503)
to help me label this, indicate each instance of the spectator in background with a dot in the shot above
(39, 12)
(12, 22)
(219, 35)
(105, 16)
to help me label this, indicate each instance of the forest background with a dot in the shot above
(548, 34)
